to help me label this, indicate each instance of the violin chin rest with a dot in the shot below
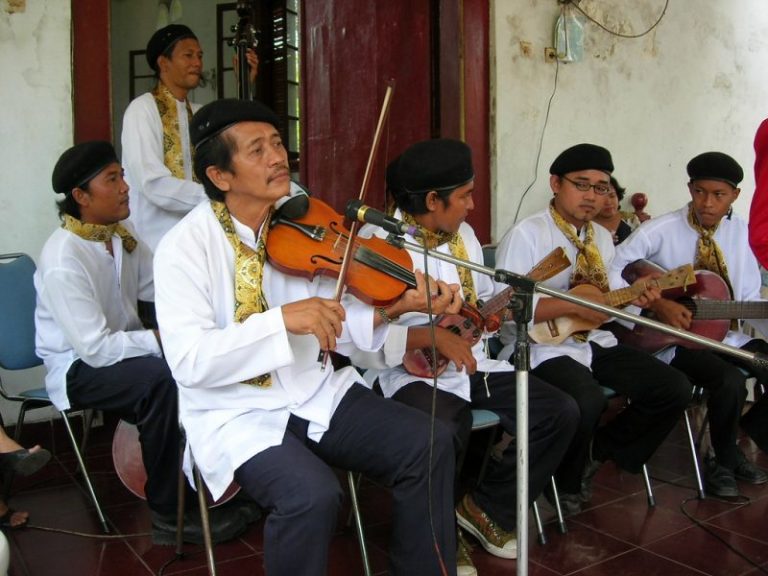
(293, 208)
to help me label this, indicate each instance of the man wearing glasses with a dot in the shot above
(587, 360)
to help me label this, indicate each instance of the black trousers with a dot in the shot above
(725, 383)
(387, 442)
(658, 396)
(553, 417)
(143, 392)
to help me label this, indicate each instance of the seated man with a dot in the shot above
(707, 234)
(585, 361)
(432, 184)
(91, 273)
(242, 339)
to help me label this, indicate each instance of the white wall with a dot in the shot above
(695, 83)
(35, 127)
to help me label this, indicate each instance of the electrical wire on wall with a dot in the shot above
(541, 142)
(575, 4)
(619, 34)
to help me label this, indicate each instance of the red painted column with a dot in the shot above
(91, 84)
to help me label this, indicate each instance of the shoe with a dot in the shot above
(590, 469)
(570, 504)
(24, 462)
(245, 506)
(224, 526)
(491, 536)
(747, 472)
(464, 564)
(720, 481)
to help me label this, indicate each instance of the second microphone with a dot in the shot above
(356, 210)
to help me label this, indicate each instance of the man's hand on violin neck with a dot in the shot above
(446, 298)
(316, 316)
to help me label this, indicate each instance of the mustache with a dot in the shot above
(280, 171)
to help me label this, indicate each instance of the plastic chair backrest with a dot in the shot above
(489, 255)
(17, 312)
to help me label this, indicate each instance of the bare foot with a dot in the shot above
(17, 518)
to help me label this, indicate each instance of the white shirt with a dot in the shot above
(227, 422)
(521, 249)
(669, 241)
(86, 306)
(158, 199)
(453, 381)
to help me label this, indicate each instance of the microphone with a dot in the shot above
(356, 210)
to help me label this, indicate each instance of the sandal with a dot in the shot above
(24, 462)
(6, 520)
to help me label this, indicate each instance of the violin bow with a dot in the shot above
(383, 114)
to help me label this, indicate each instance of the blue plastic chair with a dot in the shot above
(17, 352)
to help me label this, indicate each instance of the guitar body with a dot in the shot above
(126, 455)
(709, 286)
(557, 330)
(419, 361)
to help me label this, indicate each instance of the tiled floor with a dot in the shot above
(618, 534)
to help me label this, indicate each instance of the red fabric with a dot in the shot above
(758, 212)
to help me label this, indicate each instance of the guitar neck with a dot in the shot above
(726, 309)
(622, 296)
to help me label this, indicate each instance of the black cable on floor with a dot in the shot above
(82, 534)
(744, 501)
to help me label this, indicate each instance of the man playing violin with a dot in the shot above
(706, 233)
(243, 338)
(432, 184)
(91, 273)
(588, 360)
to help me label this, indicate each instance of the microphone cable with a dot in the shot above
(433, 410)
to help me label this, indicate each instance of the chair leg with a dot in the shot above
(20, 422)
(694, 456)
(180, 505)
(87, 478)
(560, 518)
(358, 523)
(203, 503)
(539, 524)
(648, 487)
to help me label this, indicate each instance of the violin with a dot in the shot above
(471, 322)
(307, 238)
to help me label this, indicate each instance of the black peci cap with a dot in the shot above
(715, 166)
(582, 157)
(221, 114)
(163, 39)
(79, 164)
(439, 164)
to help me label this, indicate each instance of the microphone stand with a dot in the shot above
(522, 305)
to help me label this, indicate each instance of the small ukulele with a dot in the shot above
(557, 330)
(487, 318)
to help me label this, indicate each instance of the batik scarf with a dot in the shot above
(457, 248)
(99, 232)
(173, 153)
(249, 273)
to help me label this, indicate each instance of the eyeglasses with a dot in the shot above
(581, 186)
